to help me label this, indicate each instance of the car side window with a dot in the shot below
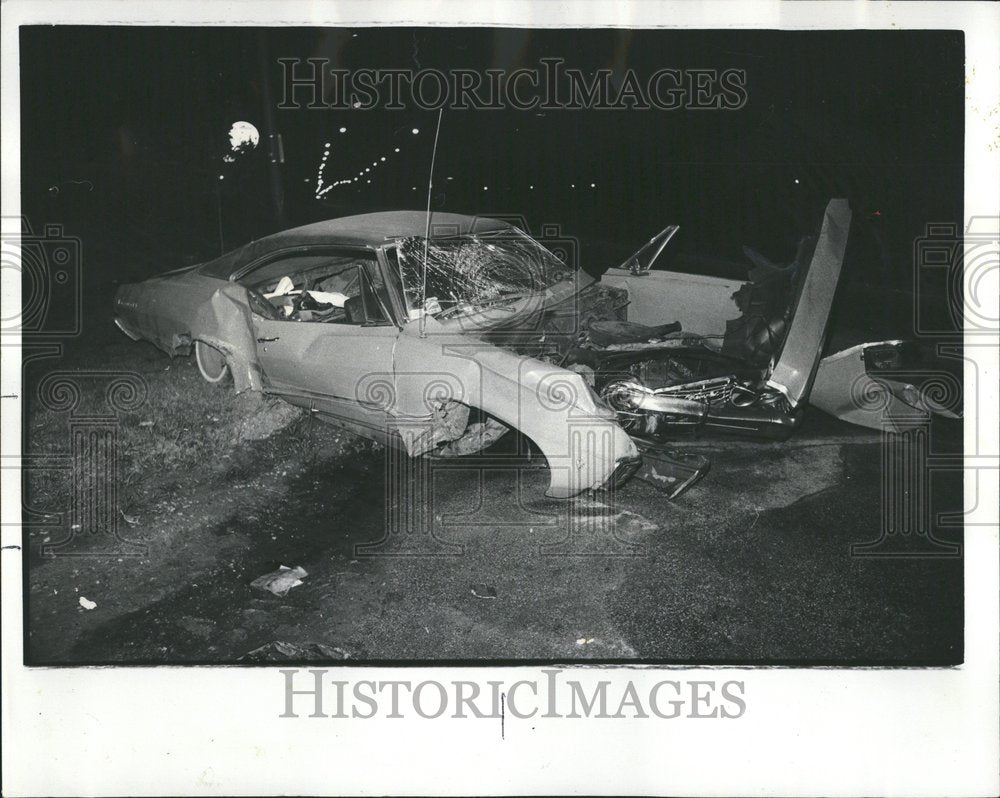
(313, 287)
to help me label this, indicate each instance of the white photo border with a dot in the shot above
(216, 730)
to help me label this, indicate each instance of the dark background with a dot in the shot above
(123, 136)
(124, 129)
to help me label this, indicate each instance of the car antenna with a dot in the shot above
(427, 231)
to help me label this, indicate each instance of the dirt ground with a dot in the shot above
(752, 565)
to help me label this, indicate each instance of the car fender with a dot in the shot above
(173, 312)
(580, 438)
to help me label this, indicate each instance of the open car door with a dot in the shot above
(645, 257)
(756, 381)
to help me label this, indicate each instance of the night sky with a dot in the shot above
(124, 130)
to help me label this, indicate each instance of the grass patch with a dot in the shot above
(186, 429)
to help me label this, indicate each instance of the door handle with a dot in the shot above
(267, 340)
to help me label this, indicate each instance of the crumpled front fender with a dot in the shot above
(580, 438)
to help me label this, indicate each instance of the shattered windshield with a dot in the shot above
(468, 273)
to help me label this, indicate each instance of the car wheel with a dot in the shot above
(211, 362)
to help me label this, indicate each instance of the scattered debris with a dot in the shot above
(636, 520)
(148, 423)
(131, 520)
(281, 651)
(484, 591)
(87, 604)
(583, 641)
(281, 581)
(670, 470)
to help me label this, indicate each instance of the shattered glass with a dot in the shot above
(467, 273)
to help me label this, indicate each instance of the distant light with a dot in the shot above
(382, 158)
(243, 137)
(367, 168)
(449, 178)
(486, 188)
(396, 150)
(222, 177)
(327, 145)
(572, 185)
(414, 188)
(796, 181)
(415, 131)
(368, 181)
(532, 188)
(593, 185)
(342, 130)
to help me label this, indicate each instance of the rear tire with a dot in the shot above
(211, 362)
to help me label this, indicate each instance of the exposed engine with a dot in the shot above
(663, 382)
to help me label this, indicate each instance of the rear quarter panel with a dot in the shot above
(164, 310)
(173, 312)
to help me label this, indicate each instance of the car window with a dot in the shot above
(317, 287)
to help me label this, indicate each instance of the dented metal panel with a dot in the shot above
(880, 398)
(796, 367)
(579, 436)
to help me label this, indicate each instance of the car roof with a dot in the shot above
(363, 230)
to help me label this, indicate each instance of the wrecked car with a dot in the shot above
(440, 335)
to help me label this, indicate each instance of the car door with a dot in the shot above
(339, 367)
